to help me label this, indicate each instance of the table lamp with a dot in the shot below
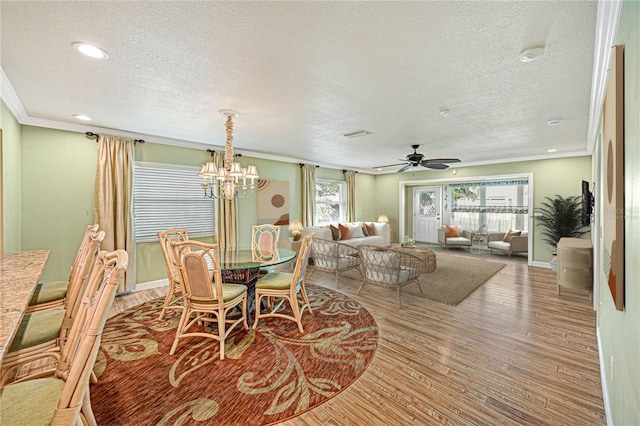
(383, 218)
(295, 228)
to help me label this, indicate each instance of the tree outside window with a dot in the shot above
(330, 201)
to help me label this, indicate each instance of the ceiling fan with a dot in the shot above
(415, 160)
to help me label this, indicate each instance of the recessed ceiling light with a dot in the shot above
(90, 50)
(552, 150)
(554, 122)
(82, 117)
(444, 112)
(378, 169)
(531, 53)
(357, 133)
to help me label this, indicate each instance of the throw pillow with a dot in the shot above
(509, 234)
(371, 228)
(335, 233)
(345, 232)
(365, 231)
(451, 231)
(356, 230)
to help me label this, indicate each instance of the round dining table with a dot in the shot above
(242, 266)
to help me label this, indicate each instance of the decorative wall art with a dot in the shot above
(613, 156)
(273, 202)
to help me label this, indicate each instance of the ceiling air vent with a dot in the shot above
(357, 133)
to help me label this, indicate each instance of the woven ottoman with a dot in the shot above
(428, 255)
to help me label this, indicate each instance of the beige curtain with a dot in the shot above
(113, 200)
(350, 177)
(308, 194)
(227, 215)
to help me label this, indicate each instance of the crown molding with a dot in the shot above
(10, 98)
(606, 26)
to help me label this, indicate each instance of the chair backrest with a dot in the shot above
(303, 259)
(78, 357)
(199, 267)
(264, 241)
(380, 264)
(78, 285)
(174, 234)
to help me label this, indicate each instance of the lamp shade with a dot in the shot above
(295, 225)
(383, 218)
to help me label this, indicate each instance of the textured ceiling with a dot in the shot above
(303, 73)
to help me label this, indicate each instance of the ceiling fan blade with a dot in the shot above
(441, 160)
(389, 165)
(436, 166)
(407, 167)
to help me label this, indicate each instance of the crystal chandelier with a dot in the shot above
(228, 181)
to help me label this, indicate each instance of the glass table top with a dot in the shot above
(242, 258)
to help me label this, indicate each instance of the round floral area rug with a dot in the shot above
(268, 375)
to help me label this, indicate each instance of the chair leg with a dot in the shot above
(181, 324)
(257, 309)
(399, 298)
(337, 279)
(303, 292)
(419, 286)
(361, 286)
(221, 334)
(293, 301)
(167, 300)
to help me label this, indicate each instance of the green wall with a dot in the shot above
(620, 331)
(11, 170)
(58, 171)
(561, 176)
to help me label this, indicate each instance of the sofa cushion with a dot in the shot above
(499, 245)
(365, 231)
(335, 233)
(356, 230)
(458, 241)
(345, 232)
(371, 228)
(509, 234)
(451, 231)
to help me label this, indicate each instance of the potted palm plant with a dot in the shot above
(560, 217)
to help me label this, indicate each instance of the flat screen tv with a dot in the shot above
(587, 203)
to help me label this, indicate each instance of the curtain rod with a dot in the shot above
(212, 151)
(95, 135)
(302, 165)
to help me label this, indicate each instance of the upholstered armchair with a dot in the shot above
(334, 257)
(509, 243)
(453, 236)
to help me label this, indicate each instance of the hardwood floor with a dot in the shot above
(513, 352)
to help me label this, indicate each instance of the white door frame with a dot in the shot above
(426, 182)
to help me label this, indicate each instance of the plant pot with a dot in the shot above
(554, 263)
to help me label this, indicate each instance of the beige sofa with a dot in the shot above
(382, 235)
(518, 244)
(464, 240)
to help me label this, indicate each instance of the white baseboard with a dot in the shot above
(538, 264)
(151, 284)
(603, 381)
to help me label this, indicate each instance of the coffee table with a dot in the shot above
(428, 255)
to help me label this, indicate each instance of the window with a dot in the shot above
(331, 203)
(491, 205)
(170, 197)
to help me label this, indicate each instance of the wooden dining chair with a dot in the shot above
(53, 294)
(264, 244)
(62, 398)
(173, 300)
(43, 333)
(286, 286)
(209, 304)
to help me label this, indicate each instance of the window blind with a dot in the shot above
(166, 197)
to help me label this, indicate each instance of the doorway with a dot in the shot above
(427, 201)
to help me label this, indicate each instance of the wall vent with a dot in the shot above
(357, 133)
